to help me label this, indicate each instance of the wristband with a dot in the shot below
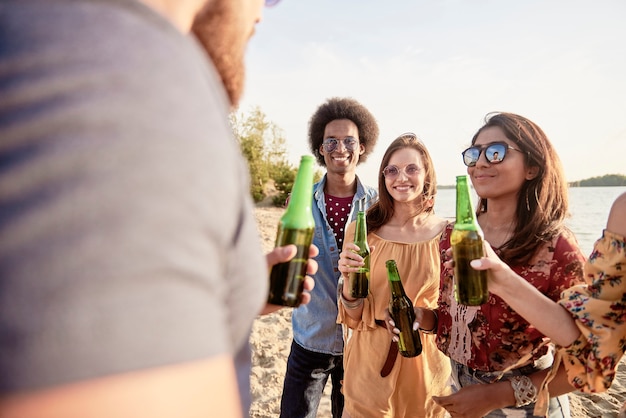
(350, 304)
(524, 390)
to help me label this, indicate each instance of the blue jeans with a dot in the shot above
(558, 407)
(306, 377)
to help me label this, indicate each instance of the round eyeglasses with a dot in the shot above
(392, 171)
(494, 153)
(330, 144)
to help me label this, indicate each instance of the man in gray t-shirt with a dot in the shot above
(130, 263)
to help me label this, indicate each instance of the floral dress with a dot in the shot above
(599, 308)
(493, 337)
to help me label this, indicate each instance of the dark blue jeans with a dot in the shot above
(306, 377)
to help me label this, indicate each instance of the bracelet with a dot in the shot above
(524, 390)
(350, 304)
(434, 328)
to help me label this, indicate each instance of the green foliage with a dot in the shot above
(601, 181)
(283, 181)
(263, 146)
(284, 176)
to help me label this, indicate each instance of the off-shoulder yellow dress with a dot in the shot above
(407, 390)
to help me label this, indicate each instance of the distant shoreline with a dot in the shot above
(571, 184)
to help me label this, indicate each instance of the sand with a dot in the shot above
(271, 340)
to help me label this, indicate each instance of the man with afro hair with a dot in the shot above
(342, 133)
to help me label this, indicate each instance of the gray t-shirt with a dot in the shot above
(127, 235)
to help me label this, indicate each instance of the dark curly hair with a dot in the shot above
(342, 108)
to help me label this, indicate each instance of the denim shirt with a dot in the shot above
(315, 324)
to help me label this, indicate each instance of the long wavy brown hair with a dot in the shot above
(380, 212)
(542, 203)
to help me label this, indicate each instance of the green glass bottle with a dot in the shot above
(360, 280)
(296, 226)
(402, 313)
(470, 286)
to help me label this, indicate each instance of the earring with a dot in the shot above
(527, 203)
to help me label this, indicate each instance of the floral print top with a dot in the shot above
(599, 307)
(493, 337)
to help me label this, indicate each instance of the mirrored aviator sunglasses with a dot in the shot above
(494, 153)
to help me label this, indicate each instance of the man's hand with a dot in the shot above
(284, 254)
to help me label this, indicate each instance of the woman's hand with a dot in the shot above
(475, 401)
(349, 259)
(499, 274)
(421, 316)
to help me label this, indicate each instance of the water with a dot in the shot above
(589, 208)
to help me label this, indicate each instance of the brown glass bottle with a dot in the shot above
(470, 286)
(360, 280)
(296, 226)
(402, 313)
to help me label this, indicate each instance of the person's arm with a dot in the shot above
(550, 318)
(206, 388)
(546, 315)
(479, 400)
(284, 254)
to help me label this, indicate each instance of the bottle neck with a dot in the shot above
(395, 284)
(360, 234)
(464, 210)
(298, 214)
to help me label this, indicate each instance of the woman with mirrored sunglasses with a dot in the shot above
(498, 359)
(401, 226)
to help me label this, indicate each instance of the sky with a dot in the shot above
(437, 67)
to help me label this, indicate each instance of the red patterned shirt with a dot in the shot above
(492, 337)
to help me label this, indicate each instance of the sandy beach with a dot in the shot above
(271, 339)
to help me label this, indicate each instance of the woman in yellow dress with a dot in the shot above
(401, 226)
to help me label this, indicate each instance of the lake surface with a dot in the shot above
(589, 208)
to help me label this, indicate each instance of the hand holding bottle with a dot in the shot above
(403, 314)
(296, 227)
(470, 286)
(425, 319)
(499, 274)
(360, 279)
(284, 254)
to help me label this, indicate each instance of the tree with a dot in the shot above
(263, 145)
(601, 181)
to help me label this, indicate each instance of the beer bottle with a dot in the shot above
(296, 226)
(360, 280)
(470, 286)
(402, 313)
